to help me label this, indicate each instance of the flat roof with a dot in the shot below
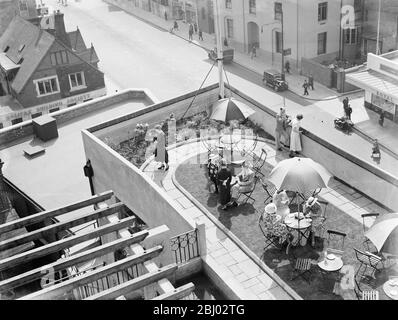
(56, 177)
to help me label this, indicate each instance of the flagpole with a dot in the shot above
(219, 51)
(378, 30)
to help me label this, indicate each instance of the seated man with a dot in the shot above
(244, 183)
(224, 178)
(281, 200)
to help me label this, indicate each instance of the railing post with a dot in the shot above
(201, 238)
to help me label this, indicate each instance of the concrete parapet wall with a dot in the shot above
(13, 134)
(142, 195)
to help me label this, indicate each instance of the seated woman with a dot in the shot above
(224, 178)
(244, 183)
(281, 200)
(212, 171)
(273, 223)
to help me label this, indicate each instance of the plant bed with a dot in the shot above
(140, 147)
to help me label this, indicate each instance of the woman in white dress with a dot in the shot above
(295, 139)
(160, 149)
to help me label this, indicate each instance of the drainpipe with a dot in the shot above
(341, 31)
(297, 34)
(244, 26)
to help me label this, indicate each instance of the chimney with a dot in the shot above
(60, 31)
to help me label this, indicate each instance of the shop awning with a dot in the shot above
(376, 83)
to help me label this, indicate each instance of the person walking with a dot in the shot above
(349, 111)
(165, 15)
(190, 32)
(381, 119)
(287, 66)
(295, 139)
(200, 35)
(345, 105)
(280, 129)
(311, 81)
(253, 52)
(160, 152)
(305, 86)
(195, 26)
(175, 25)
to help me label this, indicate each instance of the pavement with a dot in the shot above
(365, 120)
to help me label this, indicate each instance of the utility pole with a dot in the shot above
(283, 47)
(378, 30)
(219, 49)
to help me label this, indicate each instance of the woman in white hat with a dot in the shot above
(281, 201)
(273, 223)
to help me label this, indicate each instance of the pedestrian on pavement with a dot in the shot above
(295, 138)
(311, 81)
(305, 86)
(175, 25)
(253, 52)
(282, 122)
(200, 35)
(190, 32)
(195, 26)
(376, 149)
(349, 111)
(165, 15)
(381, 119)
(287, 66)
(225, 42)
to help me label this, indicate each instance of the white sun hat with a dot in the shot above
(270, 208)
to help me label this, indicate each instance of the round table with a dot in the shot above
(331, 265)
(300, 226)
(391, 288)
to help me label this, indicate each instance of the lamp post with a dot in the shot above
(219, 51)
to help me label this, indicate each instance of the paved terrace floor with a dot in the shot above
(321, 107)
(221, 250)
(56, 178)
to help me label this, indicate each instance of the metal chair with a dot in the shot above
(259, 162)
(370, 295)
(335, 241)
(369, 265)
(270, 238)
(302, 267)
(367, 243)
(269, 189)
(248, 194)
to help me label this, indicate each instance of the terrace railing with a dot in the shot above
(185, 247)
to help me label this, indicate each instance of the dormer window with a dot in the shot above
(7, 48)
(20, 61)
(21, 48)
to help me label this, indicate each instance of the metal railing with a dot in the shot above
(185, 246)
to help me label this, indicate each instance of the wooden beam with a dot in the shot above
(34, 218)
(135, 284)
(64, 243)
(56, 291)
(177, 293)
(62, 264)
(41, 233)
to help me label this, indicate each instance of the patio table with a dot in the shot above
(331, 264)
(298, 227)
(390, 288)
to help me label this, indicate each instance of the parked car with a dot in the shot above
(228, 54)
(273, 79)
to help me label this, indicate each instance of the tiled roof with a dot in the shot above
(88, 55)
(36, 44)
(77, 41)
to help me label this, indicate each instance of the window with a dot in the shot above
(53, 110)
(36, 115)
(15, 121)
(358, 5)
(228, 4)
(322, 43)
(252, 6)
(77, 81)
(47, 86)
(7, 48)
(1, 125)
(21, 47)
(20, 61)
(59, 57)
(351, 36)
(278, 41)
(230, 28)
(322, 11)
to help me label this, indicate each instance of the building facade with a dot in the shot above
(46, 70)
(380, 82)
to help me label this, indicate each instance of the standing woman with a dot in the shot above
(295, 139)
(160, 150)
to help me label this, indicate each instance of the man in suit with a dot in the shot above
(224, 178)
